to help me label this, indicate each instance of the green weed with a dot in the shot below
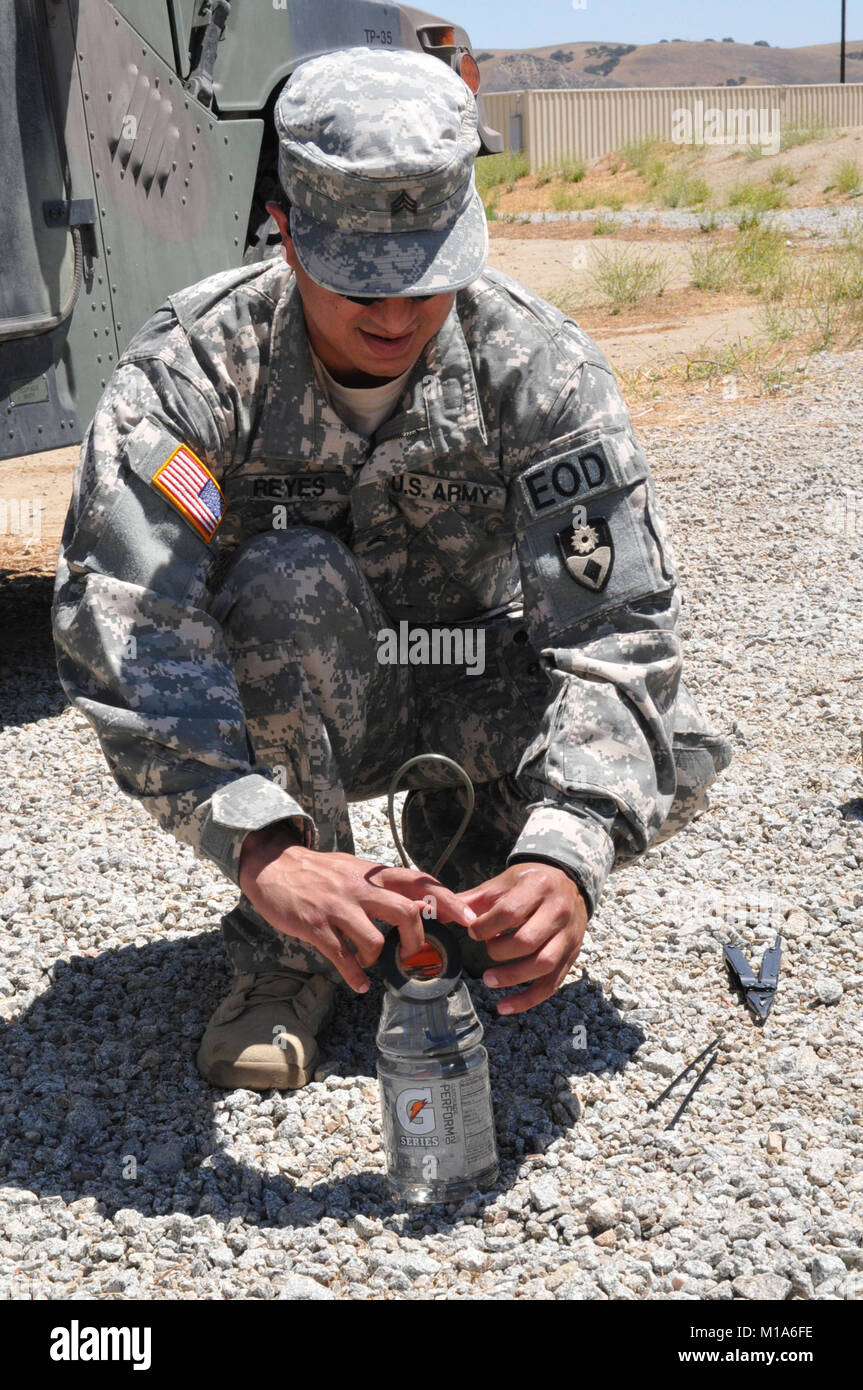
(756, 197)
(562, 200)
(654, 172)
(626, 276)
(712, 268)
(801, 133)
(845, 177)
(762, 259)
(572, 170)
(639, 154)
(680, 190)
(604, 226)
(496, 169)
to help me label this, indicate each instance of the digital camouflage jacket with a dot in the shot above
(509, 472)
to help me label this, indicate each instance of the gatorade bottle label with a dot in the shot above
(442, 1130)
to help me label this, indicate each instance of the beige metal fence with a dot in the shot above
(587, 124)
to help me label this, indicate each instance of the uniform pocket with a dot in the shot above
(700, 755)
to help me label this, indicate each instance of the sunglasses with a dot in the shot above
(376, 299)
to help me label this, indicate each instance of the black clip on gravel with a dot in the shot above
(756, 991)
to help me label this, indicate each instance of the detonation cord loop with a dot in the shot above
(465, 821)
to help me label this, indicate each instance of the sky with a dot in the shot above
(516, 24)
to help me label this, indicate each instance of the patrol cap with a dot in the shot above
(376, 155)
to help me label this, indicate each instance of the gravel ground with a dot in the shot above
(123, 1174)
(819, 221)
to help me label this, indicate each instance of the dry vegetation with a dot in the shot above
(799, 293)
(651, 173)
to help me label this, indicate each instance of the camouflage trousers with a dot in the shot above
(333, 722)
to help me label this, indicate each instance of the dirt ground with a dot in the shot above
(42, 478)
(676, 324)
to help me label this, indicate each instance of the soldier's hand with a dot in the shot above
(532, 918)
(330, 900)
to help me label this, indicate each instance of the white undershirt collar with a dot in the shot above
(363, 408)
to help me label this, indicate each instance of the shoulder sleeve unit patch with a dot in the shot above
(185, 481)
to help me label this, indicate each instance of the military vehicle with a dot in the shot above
(137, 153)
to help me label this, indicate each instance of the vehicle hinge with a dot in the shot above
(79, 216)
(69, 212)
(199, 83)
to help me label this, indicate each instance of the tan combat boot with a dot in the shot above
(263, 1035)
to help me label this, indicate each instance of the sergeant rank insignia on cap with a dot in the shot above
(587, 550)
(403, 203)
(193, 490)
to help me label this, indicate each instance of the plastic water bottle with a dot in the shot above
(438, 1123)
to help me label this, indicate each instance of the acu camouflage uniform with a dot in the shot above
(233, 680)
(214, 671)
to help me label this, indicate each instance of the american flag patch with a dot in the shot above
(185, 481)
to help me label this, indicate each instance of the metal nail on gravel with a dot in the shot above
(686, 1070)
(702, 1076)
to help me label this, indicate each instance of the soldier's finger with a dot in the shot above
(412, 882)
(485, 895)
(395, 908)
(527, 939)
(510, 911)
(402, 913)
(331, 945)
(447, 906)
(537, 993)
(545, 961)
(366, 938)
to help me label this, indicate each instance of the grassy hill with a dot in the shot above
(672, 64)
